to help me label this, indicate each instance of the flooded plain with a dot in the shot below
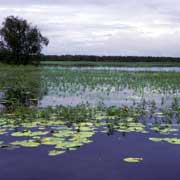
(89, 123)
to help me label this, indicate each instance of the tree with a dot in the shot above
(20, 39)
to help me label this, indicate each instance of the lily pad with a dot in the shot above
(64, 133)
(29, 133)
(55, 153)
(131, 127)
(164, 129)
(132, 160)
(51, 140)
(168, 140)
(2, 132)
(26, 143)
(159, 114)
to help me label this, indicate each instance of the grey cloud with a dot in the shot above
(133, 27)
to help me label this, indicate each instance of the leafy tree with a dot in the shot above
(20, 39)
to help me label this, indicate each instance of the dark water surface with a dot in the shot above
(101, 159)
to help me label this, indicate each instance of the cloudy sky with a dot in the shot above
(103, 27)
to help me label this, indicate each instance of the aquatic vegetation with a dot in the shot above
(60, 136)
(55, 153)
(26, 143)
(68, 140)
(2, 131)
(29, 133)
(168, 140)
(82, 137)
(63, 133)
(164, 129)
(131, 127)
(24, 85)
(159, 114)
(51, 140)
(83, 102)
(30, 124)
(132, 160)
(75, 139)
(68, 144)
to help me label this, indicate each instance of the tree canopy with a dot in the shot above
(21, 40)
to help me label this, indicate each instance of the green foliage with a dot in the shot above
(55, 153)
(168, 140)
(26, 143)
(21, 40)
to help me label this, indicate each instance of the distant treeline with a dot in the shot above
(8, 58)
(108, 58)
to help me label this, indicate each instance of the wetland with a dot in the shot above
(89, 123)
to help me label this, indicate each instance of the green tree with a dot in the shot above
(21, 40)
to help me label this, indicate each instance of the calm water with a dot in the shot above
(137, 69)
(103, 157)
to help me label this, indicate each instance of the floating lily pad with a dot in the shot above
(29, 133)
(164, 129)
(55, 153)
(64, 133)
(26, 143)
(30, 125)
(132, 160)
(72, 149)
(85, 129)
(100, 117)
(159, 114)
(2, 132)
(68, 144)
(86, 124)
(51, 140)
(168, 140)
(54, 123)
(156, 139)
(131, 127)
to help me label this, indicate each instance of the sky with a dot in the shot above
(103, 27)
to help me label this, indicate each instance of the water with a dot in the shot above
(131, 69)
(102, 157)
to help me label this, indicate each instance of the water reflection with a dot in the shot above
(53, 86)
(130, 69)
